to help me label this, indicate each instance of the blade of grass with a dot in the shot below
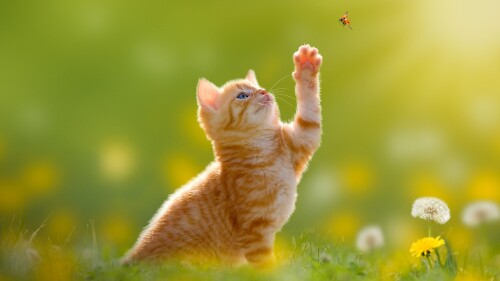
(450, 263)
(37, 230)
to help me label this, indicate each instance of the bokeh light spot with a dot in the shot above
(41, 177)
(61, 224)
(93, 19)
(425, 184)
(117, 230)
(56, 267)
(192, 128)
(12, 197)
(357, 177)
(400, 231)
(344, 225)
(179, 169)
(116, 161)
(484, 185)
(153, 59)
(410, 143)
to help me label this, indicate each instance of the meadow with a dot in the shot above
(98, 126)
(308, 257)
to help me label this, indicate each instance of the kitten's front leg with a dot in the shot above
(304, 134)
(307, 63)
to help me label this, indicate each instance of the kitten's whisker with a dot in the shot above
(282, 92)
(285, 101)
(284, 95)
(277, 89)
(281, 79)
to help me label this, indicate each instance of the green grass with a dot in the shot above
(26, 256)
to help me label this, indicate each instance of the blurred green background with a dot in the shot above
(98, 109)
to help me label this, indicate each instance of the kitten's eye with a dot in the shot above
(242, 96)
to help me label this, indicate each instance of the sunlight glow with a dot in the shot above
(462, 26)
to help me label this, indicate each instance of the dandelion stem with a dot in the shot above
(426, 262)
(431, 263)
(438, 261)
(429, 232)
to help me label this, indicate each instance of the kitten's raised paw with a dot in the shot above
(307, 62)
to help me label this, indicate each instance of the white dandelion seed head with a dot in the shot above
(369, 238)
(431, 208)
(480, 212)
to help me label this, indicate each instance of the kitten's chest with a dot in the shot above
(282, 174)
(280, 191)
(287, 191)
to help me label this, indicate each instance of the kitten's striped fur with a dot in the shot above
(230, 212)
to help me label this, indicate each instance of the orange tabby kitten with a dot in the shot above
(230, 213)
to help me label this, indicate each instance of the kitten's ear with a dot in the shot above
(252, 78)
(207, 94)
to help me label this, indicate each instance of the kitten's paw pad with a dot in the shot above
(307, 61)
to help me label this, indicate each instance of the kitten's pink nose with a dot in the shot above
(264, 96)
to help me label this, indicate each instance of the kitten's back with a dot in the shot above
(194, 224)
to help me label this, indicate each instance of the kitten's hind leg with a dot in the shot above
(259, 252)
(262, 257)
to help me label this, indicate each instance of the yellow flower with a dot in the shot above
(424, 247)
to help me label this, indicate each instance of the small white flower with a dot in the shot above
(431, 208)
(369, 238)
(480, 212)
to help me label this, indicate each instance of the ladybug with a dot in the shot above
(345, 21)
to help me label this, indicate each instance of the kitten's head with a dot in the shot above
(238, 108)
